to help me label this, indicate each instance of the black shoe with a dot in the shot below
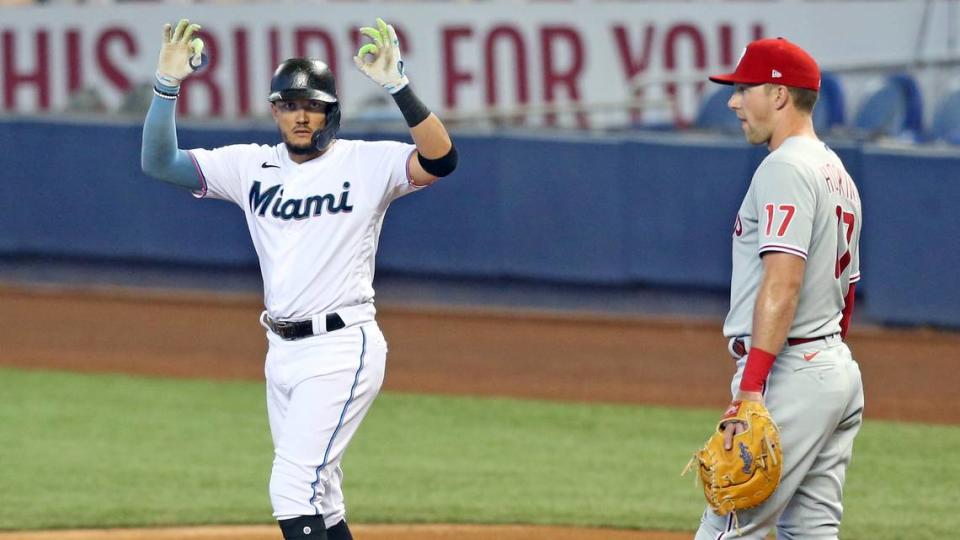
(340, 531)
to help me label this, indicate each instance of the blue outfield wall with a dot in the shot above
(657, 211)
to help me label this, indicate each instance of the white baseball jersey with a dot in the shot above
(801, 201)
(315, 226)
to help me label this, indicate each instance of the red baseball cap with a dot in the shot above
(776, 61)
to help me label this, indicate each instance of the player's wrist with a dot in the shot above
(396, 85)
(759, 363)
(165, 86)
(744, 395)
(413, 110)
(167, 81)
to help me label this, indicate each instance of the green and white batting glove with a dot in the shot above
(386, 67)
(180, 54)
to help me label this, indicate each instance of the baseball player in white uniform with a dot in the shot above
(795, 264)
(314, 205)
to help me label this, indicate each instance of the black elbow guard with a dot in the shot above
(443, 165)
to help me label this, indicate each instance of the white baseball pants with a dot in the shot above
(318, 391)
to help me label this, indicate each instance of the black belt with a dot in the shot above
(740, 347)
(801, 340)
(291, 330)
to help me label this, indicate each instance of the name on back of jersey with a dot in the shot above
(287, 209)
(839, 182)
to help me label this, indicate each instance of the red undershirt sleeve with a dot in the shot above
(847, 310)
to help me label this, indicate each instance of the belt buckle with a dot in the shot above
(740, 347)
(281, 327)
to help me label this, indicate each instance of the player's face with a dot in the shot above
(755, 106)
(298, 120)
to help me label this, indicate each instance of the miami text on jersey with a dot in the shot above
(296, 208)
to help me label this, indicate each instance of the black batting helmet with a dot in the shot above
(308, 78)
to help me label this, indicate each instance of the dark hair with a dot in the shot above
(803, 98)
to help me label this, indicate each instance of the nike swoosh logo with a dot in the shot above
(809, 357)
(264, 165)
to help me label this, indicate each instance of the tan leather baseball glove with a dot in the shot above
(747, 474)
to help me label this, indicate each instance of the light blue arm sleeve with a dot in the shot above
(159, 155)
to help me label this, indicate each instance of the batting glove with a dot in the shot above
(181, 53)
(386, 66)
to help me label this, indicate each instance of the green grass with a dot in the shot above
(100, 451)
(80, 450)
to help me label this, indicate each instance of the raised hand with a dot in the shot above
(380, 60)
(180, 54)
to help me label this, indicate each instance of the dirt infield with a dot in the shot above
(908, 375)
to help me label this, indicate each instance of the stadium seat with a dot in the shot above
(831, 105)
(946, 119)
(714, 114)
(894, 110)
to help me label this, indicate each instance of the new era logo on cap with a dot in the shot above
(776, 61)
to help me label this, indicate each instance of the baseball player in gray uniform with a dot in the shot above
(314, 205)
(795, 264)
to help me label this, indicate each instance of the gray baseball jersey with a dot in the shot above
(801, 201)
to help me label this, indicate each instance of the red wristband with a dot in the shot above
(755, 372)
